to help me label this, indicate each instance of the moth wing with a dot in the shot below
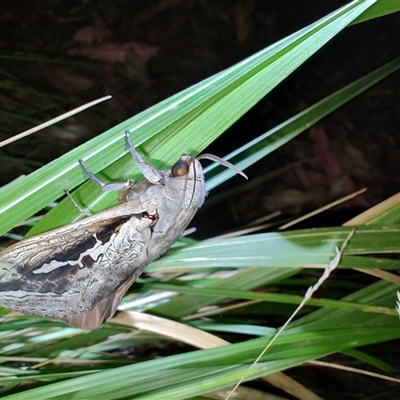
(72, 270)
(103, 310)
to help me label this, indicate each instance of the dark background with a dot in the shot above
(60, 54)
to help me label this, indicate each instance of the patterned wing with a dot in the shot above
(75, 273)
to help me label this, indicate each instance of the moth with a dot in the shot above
(79, 273)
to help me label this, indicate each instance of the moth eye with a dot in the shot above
(180, 168)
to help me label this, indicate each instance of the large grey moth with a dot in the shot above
(79, 273)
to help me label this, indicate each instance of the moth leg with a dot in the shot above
(106, 186)
(151, 173)
(76, 205)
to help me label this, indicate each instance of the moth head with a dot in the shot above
(183, 166)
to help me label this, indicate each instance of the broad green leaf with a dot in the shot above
(313, 248)
(379, 9)
(186, 122)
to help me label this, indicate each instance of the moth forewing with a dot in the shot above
(67, 271)
(79, 273)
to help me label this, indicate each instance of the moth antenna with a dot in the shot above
(219, 160)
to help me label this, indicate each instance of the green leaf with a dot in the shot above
(379, 9)
(186, 122)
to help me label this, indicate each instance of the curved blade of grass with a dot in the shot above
(201, 371)
(380, 294)
(280, 253)
(267, 297)
(385, 213)
(265, 144)
(247, 279)
(297, 345)
(311, 247)
(379, 9)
